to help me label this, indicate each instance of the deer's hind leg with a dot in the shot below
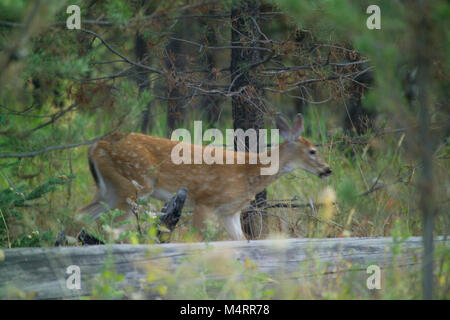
(112, 187)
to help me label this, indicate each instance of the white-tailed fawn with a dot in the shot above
(221, 189)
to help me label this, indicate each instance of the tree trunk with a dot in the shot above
(141, 52)
(426, 141)
(358, 118)
(210, 103)
(174, 63)
(247, 107)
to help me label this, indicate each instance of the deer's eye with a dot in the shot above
(312, 151)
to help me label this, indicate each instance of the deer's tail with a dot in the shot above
(105, 197)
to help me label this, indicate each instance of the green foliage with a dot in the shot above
(116, 226)
(48, 63)
(211, 231)
(12, 202)
(118, 11)
(35, 239)
(347, 191)
(107, 284)
(12, 10)
(19, 197)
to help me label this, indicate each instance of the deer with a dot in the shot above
(220, 189)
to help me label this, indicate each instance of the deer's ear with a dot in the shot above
(297, 129)
(283, 126)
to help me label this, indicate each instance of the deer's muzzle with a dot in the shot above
(325, 173)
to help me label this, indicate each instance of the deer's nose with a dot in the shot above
(326, 173)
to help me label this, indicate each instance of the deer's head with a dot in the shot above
(299, 152)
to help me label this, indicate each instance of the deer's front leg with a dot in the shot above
(232, 224)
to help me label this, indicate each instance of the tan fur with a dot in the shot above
(224, 189)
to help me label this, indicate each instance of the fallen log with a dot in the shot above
(43, 270)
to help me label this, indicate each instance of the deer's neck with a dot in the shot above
(279, 158)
